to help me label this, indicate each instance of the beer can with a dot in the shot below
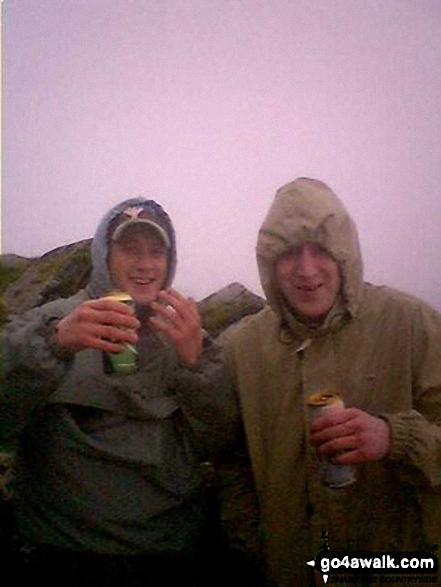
(332, 475)
(126, 361)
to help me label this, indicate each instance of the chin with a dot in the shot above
(143, 297)
(143, 300)
(313, 313)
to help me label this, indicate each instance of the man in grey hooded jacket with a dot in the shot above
(109, 489)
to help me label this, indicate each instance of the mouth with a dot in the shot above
(139, 281)
(308, 288)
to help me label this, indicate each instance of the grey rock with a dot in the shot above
(10, 260)
(57, 274)
(227, 306)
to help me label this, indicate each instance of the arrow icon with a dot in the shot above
(311, 563)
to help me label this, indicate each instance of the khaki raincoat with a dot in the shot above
(381, 350)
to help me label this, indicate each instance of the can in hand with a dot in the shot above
(335, 476)
(125, 362)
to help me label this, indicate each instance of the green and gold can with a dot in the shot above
(126, 361)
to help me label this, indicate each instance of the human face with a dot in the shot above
(310, 280)
(138, 265)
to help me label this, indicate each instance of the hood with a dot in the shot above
(307, 210)
(100, 282)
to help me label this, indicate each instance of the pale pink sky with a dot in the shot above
(208, 106)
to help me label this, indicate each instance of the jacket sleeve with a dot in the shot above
(208, 400)
(33, 364)
(416, 434)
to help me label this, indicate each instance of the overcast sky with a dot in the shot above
(209, 106)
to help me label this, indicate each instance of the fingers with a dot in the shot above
(99, 324)
(179, 316)
(114, 334)
(326, 429)
(166, 319)
(105, 311)
(351, 437)
(184, 307)
(351, 457)
(97, 336)
(179, 320)
(332, 418)
(94, 342)
(107, 325)
(344, 443)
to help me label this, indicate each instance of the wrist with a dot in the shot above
(387, 436)
(52, 337)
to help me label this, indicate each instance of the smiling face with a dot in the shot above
(138, 264)
(309, 279)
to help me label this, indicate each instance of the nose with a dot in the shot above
(306, 262)
(143, 260)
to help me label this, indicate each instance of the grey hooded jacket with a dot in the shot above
(110, 463)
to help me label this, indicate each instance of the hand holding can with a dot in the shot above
(332, 475)
(125, 362)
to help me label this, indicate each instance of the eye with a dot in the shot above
(158, 252)
(129, 248)
(292, 253)
(321, 252)
(318, 251)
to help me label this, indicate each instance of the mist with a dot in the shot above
(208, 108)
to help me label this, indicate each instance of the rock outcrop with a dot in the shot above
(12, 261)
(227, 306)
(57, 274)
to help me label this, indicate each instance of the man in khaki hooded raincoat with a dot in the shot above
(325, 330)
